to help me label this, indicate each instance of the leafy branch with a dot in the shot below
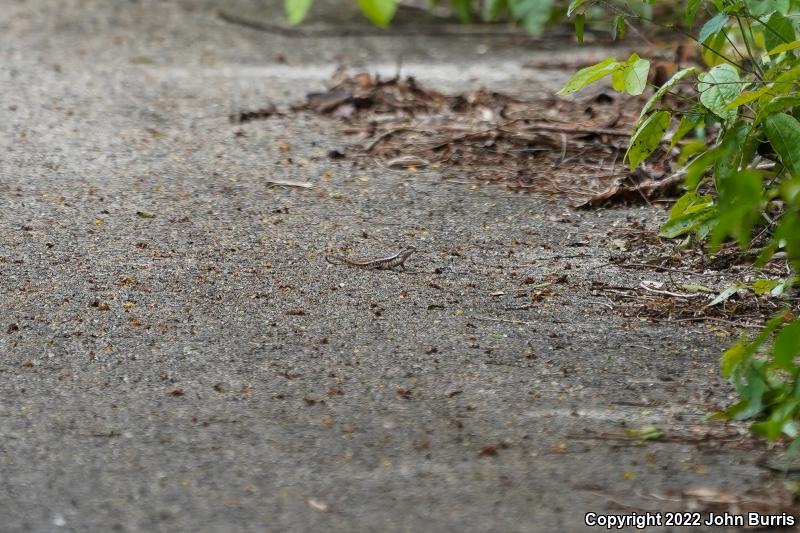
(744, 129)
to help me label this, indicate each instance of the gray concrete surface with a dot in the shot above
(206, 370)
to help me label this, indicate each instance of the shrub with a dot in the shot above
(744, 111)
(530, 14)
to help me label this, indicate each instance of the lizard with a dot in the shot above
(384, 263)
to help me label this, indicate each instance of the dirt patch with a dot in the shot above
(549, 146)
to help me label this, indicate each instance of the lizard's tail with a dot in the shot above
(334, 259)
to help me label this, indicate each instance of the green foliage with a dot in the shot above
(618, 28)
(783, 132)
(784, 48)
(719, 87)
(691, 11)
(689, 214)
(296, 10)
(589, 75)
(777, 31)
(632, 77)
(380, 12)
(714, 25)
(626, 76)
(580, 24)
(532, 15)
(463, 9)
(745, 157)
(647, 137)
(493, 9)
(766, 373)
(678, 76)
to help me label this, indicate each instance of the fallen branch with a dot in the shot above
(646, 189)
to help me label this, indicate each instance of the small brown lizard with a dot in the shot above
(385, 263)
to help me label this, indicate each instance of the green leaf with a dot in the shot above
(618, 28)
(769, 429)
(678, 76)
(746, 97)
(731, 412)
(725, 294)
(689, 150)
(787, 347)
(779, 31)
(712, 26)
(733, 357)
(575, 4)
(713, 49)
(785, 47)
(782, 287)
(687, 222)
(688, 214)
(740, 203)
(691, 11)
(790, 190)
(296, 10)
(753, 392)
(734, 146)
(618, 79)
(789, 237)
(589, 75)
(689, 203)
(647, 137)
(493, 8)
(699, 166)
(532, 14)
(767, 252)
(707, 227)
(688, 123)
(783, 132)
(763, 286)
(781, 419)
(762, 7)
(580, 23)
(778, 104)
(463, 9)
(719, 87)
(784, 83)
(635, 75)
(380, 12)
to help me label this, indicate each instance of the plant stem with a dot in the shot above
(759, 73)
